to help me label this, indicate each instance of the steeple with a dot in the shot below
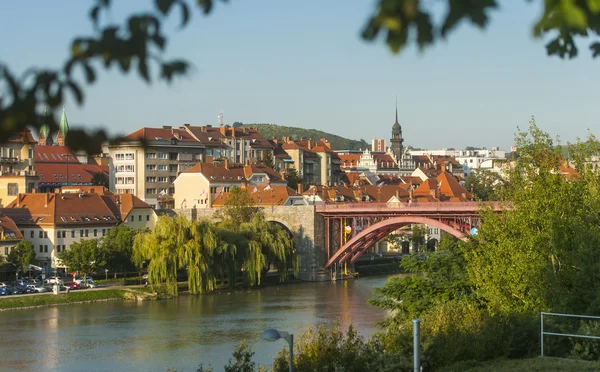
(44, 137)
(63, 129)
(397, 140)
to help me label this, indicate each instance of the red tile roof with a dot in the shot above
(77, 173)
(157, 134)
(233, 172)
(54, 154)
(10, 229)
(22, 137)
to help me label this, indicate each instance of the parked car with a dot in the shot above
(72, 285)
(37, 288)
(3, 285)
(54, 280)
(3, 291)
(13, 290)
(89, 284)
(21, 282)
(35, 282)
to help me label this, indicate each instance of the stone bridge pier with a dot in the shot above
(306, 226)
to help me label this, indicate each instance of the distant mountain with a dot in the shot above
(279, 131)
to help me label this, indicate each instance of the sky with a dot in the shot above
(303, 64)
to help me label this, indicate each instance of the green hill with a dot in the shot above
(279, 131)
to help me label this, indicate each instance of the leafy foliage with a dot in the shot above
(293, 178)
(209, 250)
(22, 255)
(117, 247)
(408, 21)
(100, 179)
(243, 360)
(484, 184)
(84, 256)
(268, 159)
(280, 131)
(238, 206)
(541, 252)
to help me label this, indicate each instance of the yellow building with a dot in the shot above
(16, 167)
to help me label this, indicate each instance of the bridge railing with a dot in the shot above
(433, 206)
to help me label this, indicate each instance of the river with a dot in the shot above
(180, 333)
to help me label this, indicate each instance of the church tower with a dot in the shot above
(63, 128)
(397, 140)
(44, 136)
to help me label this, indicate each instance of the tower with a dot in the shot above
(397, 140)
(44, 137)
(63, 129)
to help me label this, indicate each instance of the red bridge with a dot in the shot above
(352, 228)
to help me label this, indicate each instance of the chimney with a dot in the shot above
(167, 127)
(226, 163)
(450, 166)
(300, 188)
(47, 199)
(244, 184)
(310, 143)
(223, 131)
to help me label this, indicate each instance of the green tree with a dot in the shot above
(417, 236)
(293, 178)
(117, 246)
(238, 206)
(100, 179)
(484, 184)
(162, 249)
(237, 124)
(22, 256)
(84, 256)
(268, 159)
(541, 252)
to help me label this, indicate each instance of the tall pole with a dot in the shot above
(417, 345)
(291, 343)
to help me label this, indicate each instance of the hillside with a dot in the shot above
(278, 131)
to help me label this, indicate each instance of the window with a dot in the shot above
(41, 234)
(151, 191)
(81, 233)
(129, 168)
(58, 249)
(45, 248)
(172, 179)
(162, 156)
(226, 189)
(72, 233)
(30, 153)
(148, 217)
(103, 232)
(171, 190)
(140, 217)
(172, 156)
(213, 190)
(95, 232)
(162, 167)
(86, 232)
(45, 234)
(129, 180)
(151, 167)
(119, 156)
(13, 189)
(132, 218)
(173, 168)
(162, 179)
(129, 156)
(31, 234)
(41, 248)
(151, 179)
(6, 251)
(151, 155)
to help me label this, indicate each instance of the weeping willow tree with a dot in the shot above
(163, 248)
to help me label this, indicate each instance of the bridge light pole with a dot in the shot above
(274, 335)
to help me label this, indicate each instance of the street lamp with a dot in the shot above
(274, 335)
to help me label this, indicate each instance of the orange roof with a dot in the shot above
(10, 229)
(444, 188)
(156, 134)
(54, 154)
(349, 160)
(233, 172)
(357, 194)
(22, 137)
(89, 206)
(60, 173)
(569, 173)
(261, 195)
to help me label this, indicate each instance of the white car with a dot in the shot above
(87, 284)
(54, 281)
(37, 288)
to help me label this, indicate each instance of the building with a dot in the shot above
(147, 161)
(199, 186)
(54, 221)
(238, 145)
(378, 145)
(17, 174)
(10, 235)
(396, 143)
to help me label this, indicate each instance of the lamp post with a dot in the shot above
(274, 335)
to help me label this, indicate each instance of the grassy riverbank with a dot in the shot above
(63, 298)
(529, 365)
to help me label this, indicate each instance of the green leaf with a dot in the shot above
(594, 5)
(164, 6)
(76, 91)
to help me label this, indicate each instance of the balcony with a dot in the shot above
(9, 159)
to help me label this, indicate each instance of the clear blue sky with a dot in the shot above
(302, 63)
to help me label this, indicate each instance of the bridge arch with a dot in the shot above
(356, 246)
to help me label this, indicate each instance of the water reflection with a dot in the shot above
(180, 333)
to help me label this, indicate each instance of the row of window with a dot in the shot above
(63, 233)
(153, 155)
(152, 191)
(125, 156)
(132, 218)
(160, 179)
(125, 180)
(125, 168)
(215, 189)
(161, 167)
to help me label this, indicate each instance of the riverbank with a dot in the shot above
(98, 295)
(529, 365)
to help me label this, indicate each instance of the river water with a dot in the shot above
(179, 333)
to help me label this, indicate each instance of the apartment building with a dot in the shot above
(238, 145)
(17, 172)
(52, 222)
(147, 161)
(199, 186)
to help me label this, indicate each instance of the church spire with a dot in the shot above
(63, 129)
(44, 132)
(396, 122)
